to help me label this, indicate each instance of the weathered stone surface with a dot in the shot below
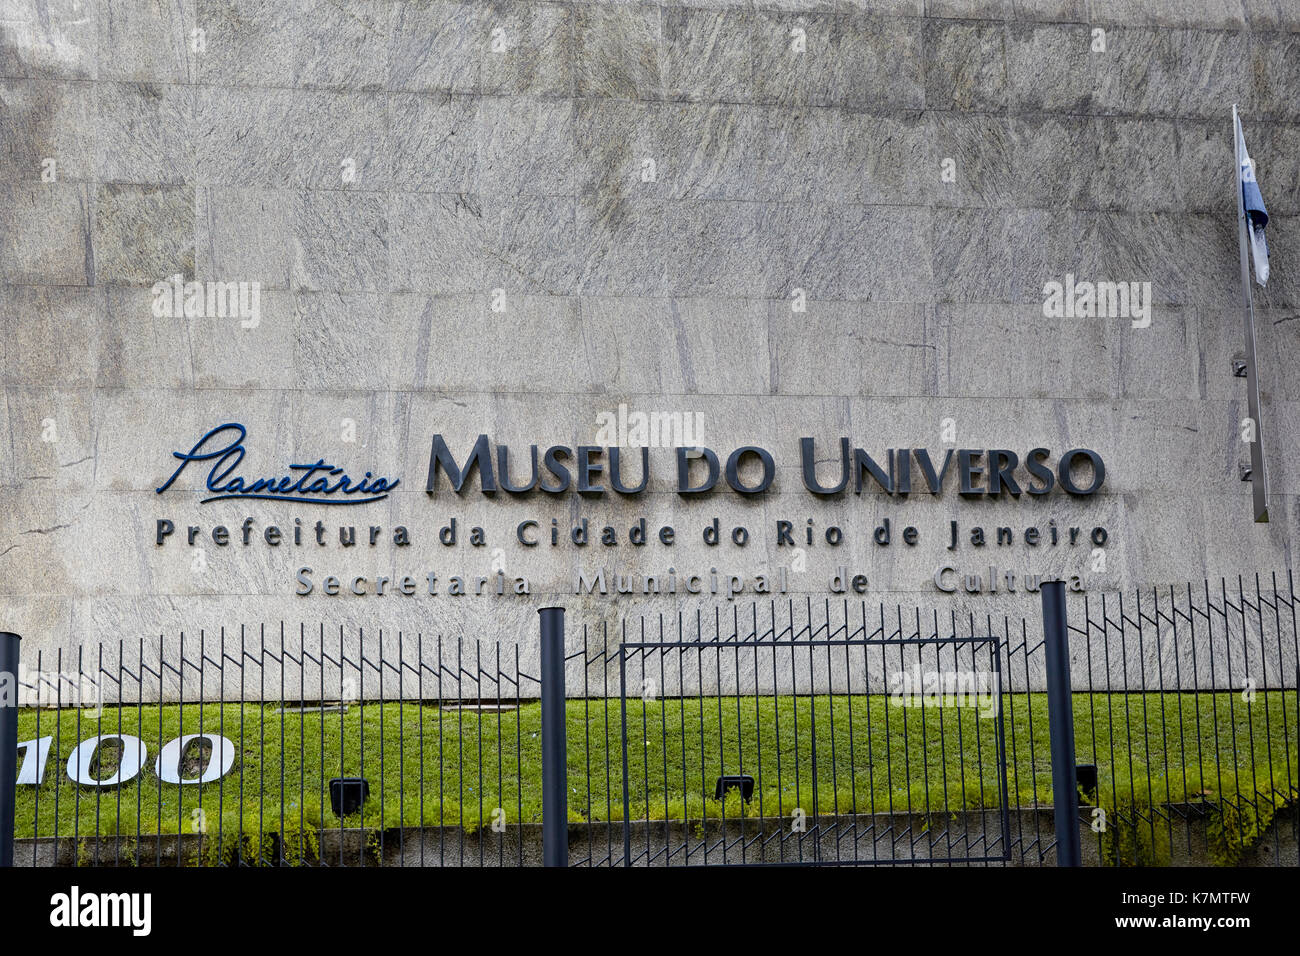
(55, 39)
(341, 141)
(341, 47)
(244, 43)
(245, 137)
(43, 124)
(708, 54)
(244, 234)
(969, 66)
(140, 41)
(47, 234)
(793, 218)
(145, 134)
(524, 146)
(340, 241)
(143, 233)
(432, 143)
(53, 431)
(529, 49)
(50, 334)
(618, 52)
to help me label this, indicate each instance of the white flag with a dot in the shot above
(1253, 203)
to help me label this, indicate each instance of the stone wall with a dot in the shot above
(643, 191)
(845, 839)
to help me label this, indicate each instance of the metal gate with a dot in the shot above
(802, 749)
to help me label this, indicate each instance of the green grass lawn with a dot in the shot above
(456, 767)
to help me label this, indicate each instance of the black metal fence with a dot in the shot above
(334, 748)
(763, 727)
(1187, 707)
(815, 732)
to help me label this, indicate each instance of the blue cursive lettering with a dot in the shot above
(308, 483)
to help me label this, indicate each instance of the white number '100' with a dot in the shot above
(134, 754)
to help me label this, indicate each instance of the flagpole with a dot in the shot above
(1258, 476)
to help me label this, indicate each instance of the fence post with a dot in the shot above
(1060, 719)
(8, 742)
(555, 778)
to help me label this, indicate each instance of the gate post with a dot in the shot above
(8, 742)
(555, 778)
(1060, 719)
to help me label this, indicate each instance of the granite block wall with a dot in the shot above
(774, 219)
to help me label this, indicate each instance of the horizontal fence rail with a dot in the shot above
(798, 731)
